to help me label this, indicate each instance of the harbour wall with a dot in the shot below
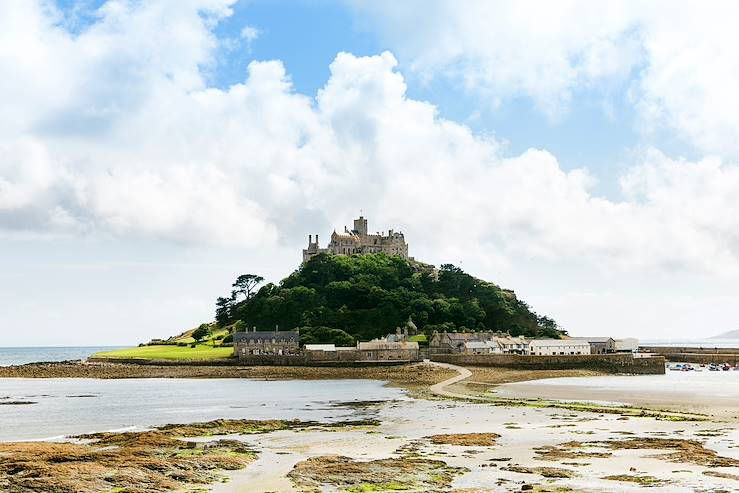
(610, 363)
(702, 359)
(700, 355)
(691, 350)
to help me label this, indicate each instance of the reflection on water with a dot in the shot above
(74, 406)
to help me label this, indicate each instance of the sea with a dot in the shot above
(705, 343)
(22, 355)
(52, 408)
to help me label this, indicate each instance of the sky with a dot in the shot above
(581, 153)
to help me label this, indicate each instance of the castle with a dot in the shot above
(359, 241)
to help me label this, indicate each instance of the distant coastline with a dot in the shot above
(23, 355)
(706, 343)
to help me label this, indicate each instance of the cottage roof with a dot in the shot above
(511, 340)
(380, 344)
(285, 335)
(481, 344)
(559, 342)
(468, 336)
(596, 339)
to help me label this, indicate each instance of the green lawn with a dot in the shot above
(201, 351)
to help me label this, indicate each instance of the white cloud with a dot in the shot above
(679, 59)
(139, 145)
(505, 49)
(250, 33)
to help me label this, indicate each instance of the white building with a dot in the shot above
(628, 345)
(513, 345)
(552, 347)
(321, 347)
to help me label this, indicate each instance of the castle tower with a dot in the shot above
(360, 226)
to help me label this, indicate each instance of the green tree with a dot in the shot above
(223, 311)
(245, 284)
(367, 296)
(325, 335)
(201, 332)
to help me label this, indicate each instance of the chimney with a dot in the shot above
(310, 239)
(316, 240)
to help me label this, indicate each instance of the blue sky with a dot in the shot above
(581, 154)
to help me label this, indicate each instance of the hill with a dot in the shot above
(367, 296)
(732, 334)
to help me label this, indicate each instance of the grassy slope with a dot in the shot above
(200, 352)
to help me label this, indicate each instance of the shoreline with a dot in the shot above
(425, 380)
(414, 377)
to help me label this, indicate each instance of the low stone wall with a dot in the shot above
(304, 360)
(253, 360)
(691, 350)
(702, 359)
(167, 362)
(611, 363)
(700, 355)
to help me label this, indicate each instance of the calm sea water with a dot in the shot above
(706, 343)
(22, 355)
(62, 407)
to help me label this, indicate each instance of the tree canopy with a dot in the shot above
(367, 296)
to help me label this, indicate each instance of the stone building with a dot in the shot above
(457, 342)
(266, 342)
(512, 345)
(358, 240)
(600, 345)
(482, 347)
(384, 350)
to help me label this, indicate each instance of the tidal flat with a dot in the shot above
(413, 442)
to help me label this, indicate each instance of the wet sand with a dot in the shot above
(714, 394)
(538, 448)
(407, 428)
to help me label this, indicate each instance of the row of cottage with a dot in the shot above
(394, 347)
(503, 343)
(398, 347)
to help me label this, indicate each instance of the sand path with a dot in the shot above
(440, 388)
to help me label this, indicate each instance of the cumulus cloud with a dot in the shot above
(676, 59)
(124, 135)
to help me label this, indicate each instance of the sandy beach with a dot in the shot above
(711, 393)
